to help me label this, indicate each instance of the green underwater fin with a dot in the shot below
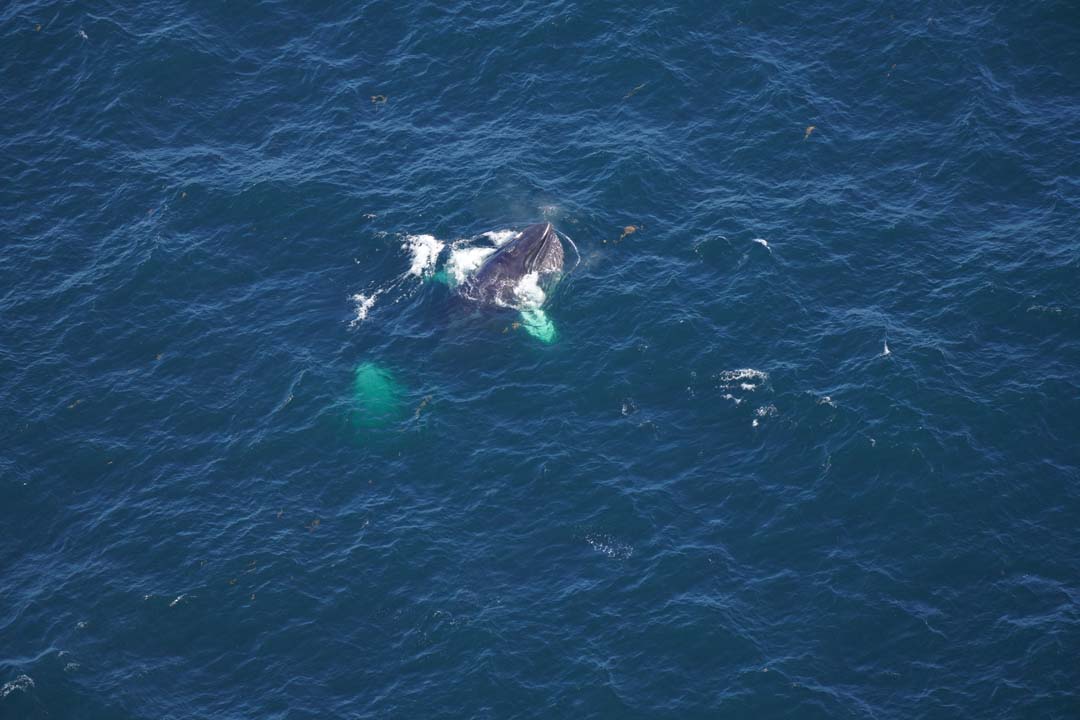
(377, 396)
(539, 325)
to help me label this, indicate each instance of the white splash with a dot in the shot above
(529, 293)
(501, 237)
(425, 251)
(886, 351)
(464, 261)
(761, 241)
(363, 307)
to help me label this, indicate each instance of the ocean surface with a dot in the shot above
(803, 440)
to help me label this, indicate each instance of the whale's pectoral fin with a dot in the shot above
(376, 396)
(539, 325)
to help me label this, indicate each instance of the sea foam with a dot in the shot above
(501, 237)
(364, 304)
(464, 261)
(425, 250)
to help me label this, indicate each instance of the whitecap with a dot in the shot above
(745, 380)
(743, 374)
(23, 682)
(763, 412)
(609, 546)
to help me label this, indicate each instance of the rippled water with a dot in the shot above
(804, 445)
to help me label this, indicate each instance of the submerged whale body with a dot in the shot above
(534, 257)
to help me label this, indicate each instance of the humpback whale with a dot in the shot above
(533, 259)
(518, 275)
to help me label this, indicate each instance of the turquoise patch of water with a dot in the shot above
(377, 396)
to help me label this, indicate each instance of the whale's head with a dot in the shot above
(533, 258)
(541, 249)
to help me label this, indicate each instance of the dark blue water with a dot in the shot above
(807, 443)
